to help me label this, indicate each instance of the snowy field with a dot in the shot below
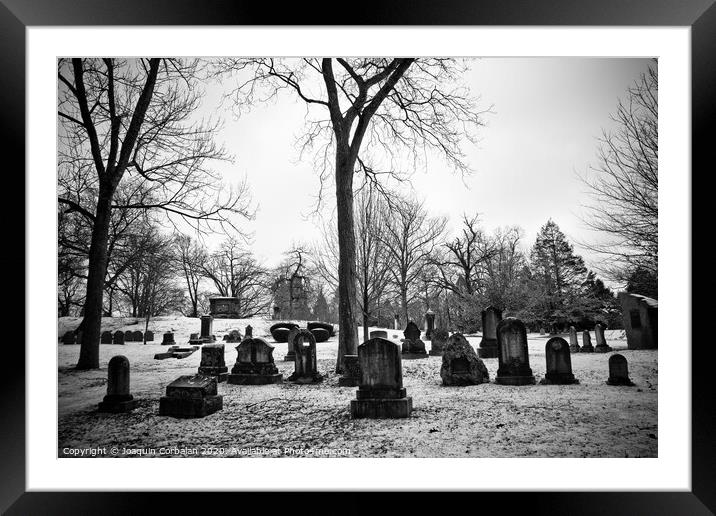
(590, 419)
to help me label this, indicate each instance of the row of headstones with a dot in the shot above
(376, 369)
(107, 337)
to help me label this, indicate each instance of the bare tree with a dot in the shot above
(132, 120)
(237, 273)
(410, 236)
(624, 185)
(372, 259)
(373, 112)
(191, 259)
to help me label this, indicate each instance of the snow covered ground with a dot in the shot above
(590, 419)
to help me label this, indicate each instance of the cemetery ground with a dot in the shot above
(590, 419)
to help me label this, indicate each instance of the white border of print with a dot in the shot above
(671, 470)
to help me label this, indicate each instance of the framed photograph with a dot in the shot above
(480, 181)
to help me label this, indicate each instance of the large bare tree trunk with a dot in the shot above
(348, 331)
(91, 324)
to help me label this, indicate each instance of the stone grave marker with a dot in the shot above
(234, 336)
(249, 332)
(106, 337)
(438, 342)
(118, 398)
(137, 336)
(380, 392)
(195, 340)
(212, 362)
(306, 363)
(586, 343)
(429, 324)
(559, 363)
(290, 336)
(206, 335)
(396, 322)
(167, 339)
(190, 397)
(602, 346)
(378, 334)
(512, 353)
(128, 336)
(461, 365)
(413, 347)
(573, 342)
(491, 317)
(351, 373)
(254, 364)
(618, 370)
(149, 336)
(118, 337)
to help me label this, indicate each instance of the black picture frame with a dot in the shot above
(17, 15)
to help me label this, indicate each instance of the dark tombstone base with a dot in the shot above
(620, 381)
(254, 379)
(487, 349)
(381, 408)
(348, 381)
(163, 356)
(559, 381)
(603, 349)
(587, 349)
(316, 378)
(413, 356)
(117, 406)
(190, 407)
(515, 380)
(220, 373)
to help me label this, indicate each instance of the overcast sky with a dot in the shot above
(547, 116)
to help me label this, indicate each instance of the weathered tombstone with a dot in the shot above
(413, 347)
(249, 332)
(118, 398)
(461, 365)
(224, 307)
(290, 336)
(212, 362)
(128, 336)
(234, 336)
(618, 371)
(429, 324)
(118, 337)
(542, 330)
(559, 363)
(191, 396)
(602, 346)
(149, 336)
(320, 334)
(380, 392)
(207, 322)
(194, 339)
(254, 364)
(276, 313)
(137, 336)
(375, 334)
(351, 372)
(396, 322)
(438, 342)
(512, 353)
(106, 337)
(491, 317)
(586, 343)
(167, 339)
(68, 337)
(573, 342)
(640, 315)
(306, 363)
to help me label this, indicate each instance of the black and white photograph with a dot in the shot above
(359, 257)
